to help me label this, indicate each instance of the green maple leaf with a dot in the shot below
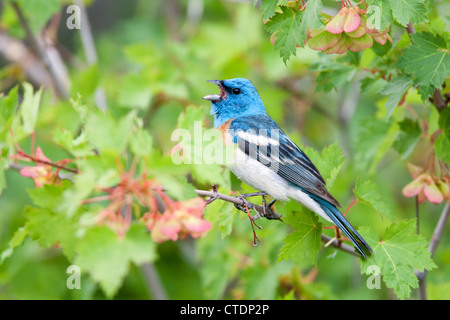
(373, 142)
(303, 244)
(367, 192)
(395, 90)
(442, 148)
(51, 229)
(47, 224)
(287, 25)
(407, 138)
(16, 240)
(311, 18)
(30, 107)
(427, 60)
(332, 75)
(398, 255)
(291, 25)
(221, 215)
(329, 162)
(442, 143)
(109, 134)
(78, 146)
(107, 257)
(403, 11)
(268, 7)
(444, 122)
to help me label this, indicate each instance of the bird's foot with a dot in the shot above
(268, 211)
(245, 208)
(265, 210)
(252, 194)
(253, 224)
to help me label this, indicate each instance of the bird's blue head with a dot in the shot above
(238, 97)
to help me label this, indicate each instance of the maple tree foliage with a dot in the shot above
(92, 174)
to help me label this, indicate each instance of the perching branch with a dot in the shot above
(335, 243)
(262, 211)
(270, 214)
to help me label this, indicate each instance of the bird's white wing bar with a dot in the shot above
(257, 139)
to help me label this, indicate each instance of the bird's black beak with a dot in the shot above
(217, 97)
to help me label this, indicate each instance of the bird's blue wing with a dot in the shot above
(262, 139)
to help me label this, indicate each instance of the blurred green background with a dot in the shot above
(155, 57)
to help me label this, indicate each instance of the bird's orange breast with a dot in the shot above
(223, 128)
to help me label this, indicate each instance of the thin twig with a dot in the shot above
(153, 281)
(335, 243)
(417, 214)
(435, 238)
(41, 52)
(263, 212)
(438, 100)
(439, 229)
(410, 28)
(52, 164)
(90, 51)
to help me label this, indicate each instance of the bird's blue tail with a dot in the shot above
(342, 223)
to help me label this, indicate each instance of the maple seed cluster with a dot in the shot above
(348, 30)
(179, 219)
(427, 187)
(43, 172)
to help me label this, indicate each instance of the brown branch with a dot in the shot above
(335, 243)
(261, 210)
(435, 238)
(33, 159)
(269, 214)
(41, 52)
(438, 100)
(410, 28)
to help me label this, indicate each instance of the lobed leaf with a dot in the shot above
(304, 242)
(399, 254)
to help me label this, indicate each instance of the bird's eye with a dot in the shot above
(236, 90)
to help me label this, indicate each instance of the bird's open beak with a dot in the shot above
(217, 97)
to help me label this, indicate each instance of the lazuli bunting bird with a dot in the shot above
(267, 160)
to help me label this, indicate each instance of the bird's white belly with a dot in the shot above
(260, 177)
(263, 178)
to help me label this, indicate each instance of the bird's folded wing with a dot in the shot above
(262, 139)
